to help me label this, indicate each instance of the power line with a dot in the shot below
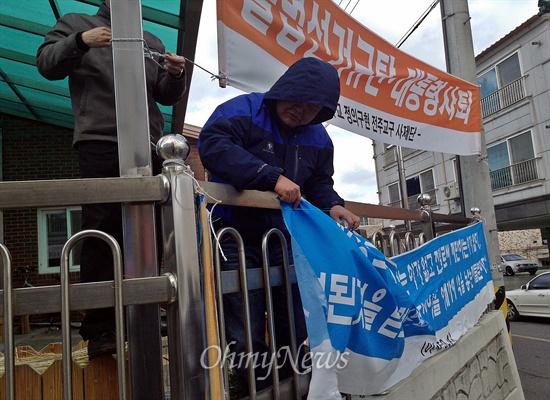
(417, 23)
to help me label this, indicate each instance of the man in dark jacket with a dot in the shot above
(79, 47)
(273, 141)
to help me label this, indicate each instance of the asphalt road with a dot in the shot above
(531, 346)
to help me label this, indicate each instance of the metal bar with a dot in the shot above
(33, 194)
(71, 192)
(134, 153)
(395, 243)
(255, 279)
(269, 310)
(410, 242)
(289, 301)
(186, 46)
(66, 315)
(376, 211)
(227, 194)
(378, 237)
(231, 196)
(219, 280)
(86, 296)
(186, 316)
(244, 290)
(9, 358)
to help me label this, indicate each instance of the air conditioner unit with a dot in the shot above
(451, 192)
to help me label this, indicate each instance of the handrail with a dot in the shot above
(34, 194)
(46, 193)
(9, 357)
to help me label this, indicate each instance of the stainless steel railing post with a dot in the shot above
(395, 243)
(66, 316)
(246, 306)
(378, 237)
(290, 309)
(9, 359)
(410, 242)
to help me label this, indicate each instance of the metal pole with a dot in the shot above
(140, 254)
(186, 320)
(403, 184)
(9, 350)
(475, 179)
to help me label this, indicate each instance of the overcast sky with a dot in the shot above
(391, 19)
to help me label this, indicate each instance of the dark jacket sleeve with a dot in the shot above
(222, 149)
(59, 54)
(169, 89)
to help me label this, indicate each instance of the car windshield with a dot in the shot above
(512, 257)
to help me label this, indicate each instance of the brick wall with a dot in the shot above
(32, 151)
(526, 243)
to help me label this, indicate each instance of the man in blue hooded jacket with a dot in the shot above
(273, 141)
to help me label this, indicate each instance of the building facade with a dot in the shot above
(514, 75)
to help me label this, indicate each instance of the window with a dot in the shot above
(395, 198)
(501, 86)
(500, 75)
(55, 227)
(512, 162)
(422, 183)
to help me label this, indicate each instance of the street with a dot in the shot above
(531, 346)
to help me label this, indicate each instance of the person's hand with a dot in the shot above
(174, 64)
(288, 191)
(97, 37)
(340, 214)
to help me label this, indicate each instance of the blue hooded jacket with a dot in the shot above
(244, 143)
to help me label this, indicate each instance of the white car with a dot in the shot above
(531, 299)
(511, 264)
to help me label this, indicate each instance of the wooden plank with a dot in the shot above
(52, 381)
(2, 384)
(28, 383)
(101, 379)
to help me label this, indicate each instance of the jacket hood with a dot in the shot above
(309, 80)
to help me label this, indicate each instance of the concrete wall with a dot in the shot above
(480, 365)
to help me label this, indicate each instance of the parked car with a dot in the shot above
(531, 299)
(511, 264)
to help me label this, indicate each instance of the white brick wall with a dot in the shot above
(527, 243)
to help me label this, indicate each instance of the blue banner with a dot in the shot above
(377, 317)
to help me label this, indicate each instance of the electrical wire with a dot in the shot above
(417, 24)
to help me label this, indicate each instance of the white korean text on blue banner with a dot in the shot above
(371, 320)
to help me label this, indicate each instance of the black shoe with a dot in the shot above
(102, 343)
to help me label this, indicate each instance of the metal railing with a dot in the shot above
(515, 174)
(177, 290)
(504, 97)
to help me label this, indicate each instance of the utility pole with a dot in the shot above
(474, 179)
